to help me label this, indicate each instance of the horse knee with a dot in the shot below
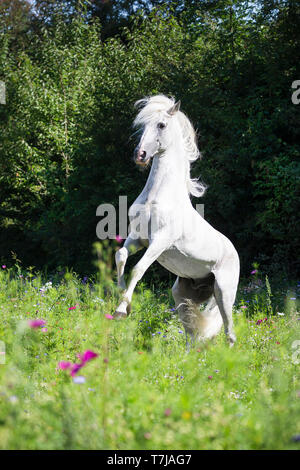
(121, 256)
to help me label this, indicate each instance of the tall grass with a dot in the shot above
(143, 391)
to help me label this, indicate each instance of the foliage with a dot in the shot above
(66, 138)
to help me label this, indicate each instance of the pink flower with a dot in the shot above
(44, 330)
(210, 377)
(74, 368)
(72, 308)
(244, 306)
(168, 411)
(36, 323)
(108, 316)
(3, 266)
(64, 365)
(119, 239)
(87, 356)
(254, 271)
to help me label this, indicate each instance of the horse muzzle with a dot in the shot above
(141, 158)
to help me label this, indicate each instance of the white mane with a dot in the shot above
(149, 108)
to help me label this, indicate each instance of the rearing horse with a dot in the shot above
(204, 260)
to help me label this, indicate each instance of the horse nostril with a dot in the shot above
(142, 155)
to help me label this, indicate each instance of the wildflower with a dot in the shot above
(254, 271)
(147, 435)
(140, 352)
(119, 239)
(168, 411)
(105, 360)
(210, 377)
(296, 438)
(277, 342)
(293, 298)
(244, 306)
(186, 415)
(87, 356)
(72, 308)
(64, 365)
(75, 368)
(79, 380)
(3, 266)
(36, 323)
(280, 313)
(108, 316)
(44, 330)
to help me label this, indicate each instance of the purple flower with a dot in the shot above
(254, 271)
(75, 368)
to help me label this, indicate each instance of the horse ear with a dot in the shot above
(174, 108)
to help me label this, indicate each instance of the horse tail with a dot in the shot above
(202, 324)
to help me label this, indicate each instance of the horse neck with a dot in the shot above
(168, 171)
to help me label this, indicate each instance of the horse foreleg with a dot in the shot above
(130, 247)
(154, 250)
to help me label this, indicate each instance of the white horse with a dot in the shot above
(205, 261)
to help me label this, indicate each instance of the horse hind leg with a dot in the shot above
(182, 308)
(188, 295)
(225, 287)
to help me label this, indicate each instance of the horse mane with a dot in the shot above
(149, 107)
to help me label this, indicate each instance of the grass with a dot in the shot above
(143, 391)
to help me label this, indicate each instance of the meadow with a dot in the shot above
(135, 385)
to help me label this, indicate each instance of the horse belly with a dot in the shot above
(184, 266)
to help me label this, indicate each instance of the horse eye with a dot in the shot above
(161, 125)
